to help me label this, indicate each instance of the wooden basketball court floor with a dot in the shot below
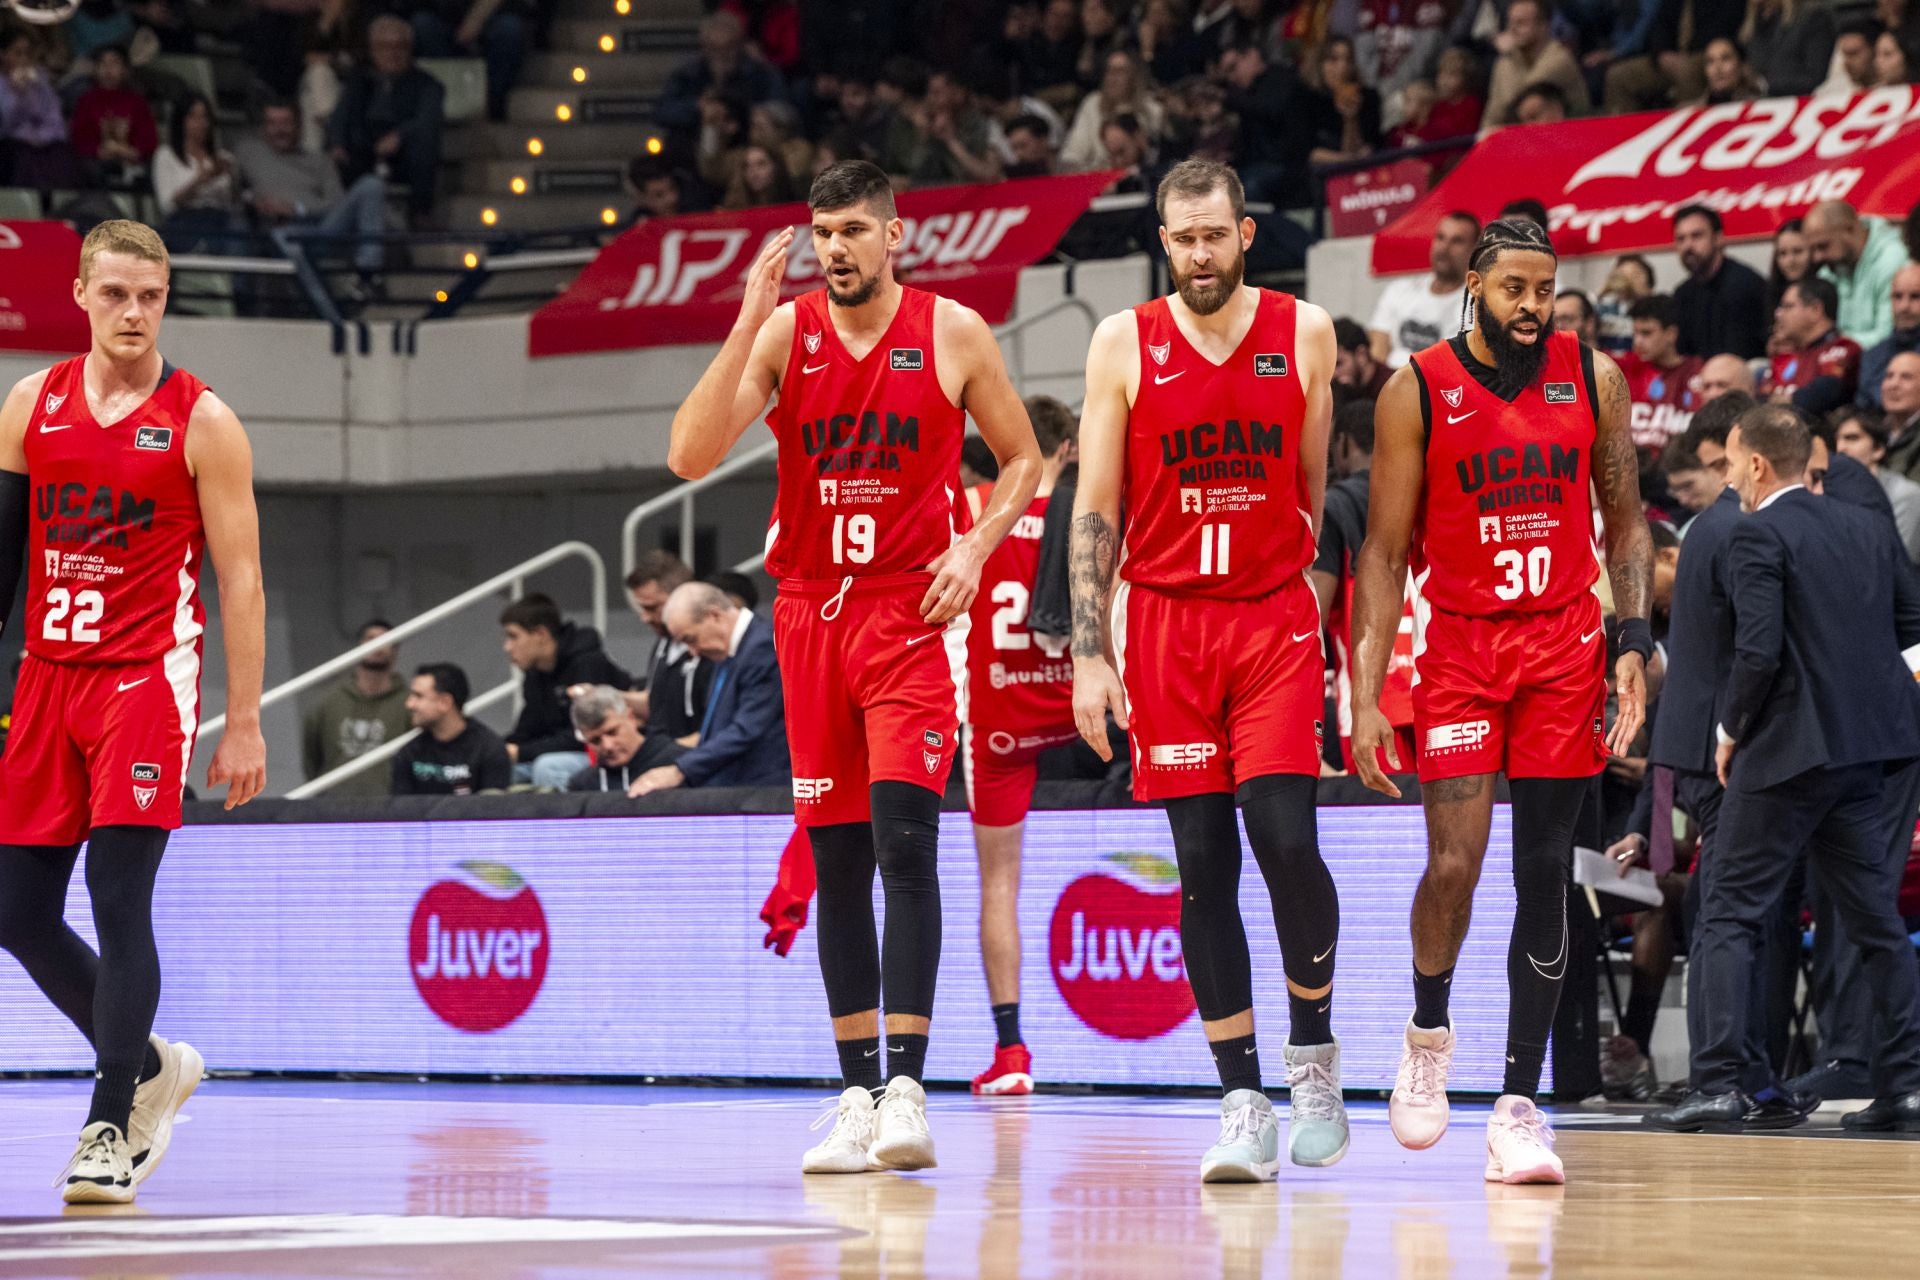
(480, 1181)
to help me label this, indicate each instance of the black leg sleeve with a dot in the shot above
(1282, 827)
(122, 863)
(906, 843)
(1206, 843)
(849, 949)
(1544, 813)
(33, 928)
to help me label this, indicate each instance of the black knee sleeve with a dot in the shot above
(1206, 843)
(122, 864)
(1283, 828)
(906, 844)
(849, 950)
(1544, 813)
(33, 928)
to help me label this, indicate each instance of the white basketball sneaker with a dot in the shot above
(101, 1171)
(1417, 1112)
(845, 1148)
(1520, 1144)
(901, 1139)
(158, 1101)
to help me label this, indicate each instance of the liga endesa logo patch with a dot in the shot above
(1114, 948)
(478, 947)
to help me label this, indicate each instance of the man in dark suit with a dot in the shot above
(743, 734)
(390, 114)
(1817, 708)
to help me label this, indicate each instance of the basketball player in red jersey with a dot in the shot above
(116, 470)
(875, 382)
(1486, 449)
(1019, 704)
(1205, 426)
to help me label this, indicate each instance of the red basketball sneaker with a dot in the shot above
(1011, 1072)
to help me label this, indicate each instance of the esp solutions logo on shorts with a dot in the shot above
(478, 947)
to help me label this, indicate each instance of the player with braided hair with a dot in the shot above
(1486, 450)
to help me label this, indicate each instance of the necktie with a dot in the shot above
(720, 680)
(1660, 836)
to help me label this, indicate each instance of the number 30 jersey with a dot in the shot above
(1506, 514)
(115, 541)
(1216, 502)
(869, 449)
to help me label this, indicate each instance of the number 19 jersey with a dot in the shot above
(1506, 516)
(1216, 501)
(869, 449)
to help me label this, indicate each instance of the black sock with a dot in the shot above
(906, 1056)
(1006, 1024)
(1312, 1019)
(859, 1063)
(1238, 1062)
(1430, 999)
(113, 1086)
(152, 1067)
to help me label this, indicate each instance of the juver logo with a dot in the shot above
(1114, 948)
(478, 947)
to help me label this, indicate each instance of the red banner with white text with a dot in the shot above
(1612, 184)
(38, 261)
(678, 280)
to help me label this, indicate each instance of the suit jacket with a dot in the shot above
(745, 743)
(411, 105)
(1699, 643)
(1822, 611)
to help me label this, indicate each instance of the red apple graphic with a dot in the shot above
(1114, 948)
(478, 947)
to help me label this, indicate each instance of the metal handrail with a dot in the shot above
(420, 622)
(681, 495)
(332, 778)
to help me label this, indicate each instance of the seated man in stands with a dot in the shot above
(289, 188)
(1815, 367)
(453, 756)
(553, 655)
(621, 751)
(113, 129)
(743, 734)
(388, 120)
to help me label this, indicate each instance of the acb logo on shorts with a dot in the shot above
(1181, 755)
(149, 774)
(1458, 737)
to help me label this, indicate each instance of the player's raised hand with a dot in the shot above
(240, 761)
(1372, 734)
(763, 281)
(1096, 691)
(1630, 686)
(956, 581)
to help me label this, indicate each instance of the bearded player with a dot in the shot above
(1486, 448)
(1205, 429)
(875, 383)
(116, 471)
(1019, 705)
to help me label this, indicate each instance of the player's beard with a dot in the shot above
(1226, 279)
(1516, 364)
(859, 296)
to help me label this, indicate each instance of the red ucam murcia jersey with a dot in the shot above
(869, 449)
(1018, 681)
(1506, 516)
(114, 549)
(1216, 501)
(1663, 399)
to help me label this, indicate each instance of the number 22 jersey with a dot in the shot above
(1506, 514)
(115, 542)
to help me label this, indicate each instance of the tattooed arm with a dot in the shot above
(1616, 474)
(1113, 371)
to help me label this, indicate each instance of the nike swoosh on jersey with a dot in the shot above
(1587, 638)
(133, 684)
(1460, 417)
(917, 639)
(1168, 377)
(46, 427)
(814, 368)
(1304, 635)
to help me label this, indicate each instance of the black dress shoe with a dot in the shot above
(1703, 1112)
(1892, 1112)
(1781, 1109)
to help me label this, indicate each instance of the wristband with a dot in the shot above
(1635, 636)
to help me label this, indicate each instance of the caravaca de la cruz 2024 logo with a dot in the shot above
(478, 947)
(1114, 948)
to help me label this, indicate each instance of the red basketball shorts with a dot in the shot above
(1001, 766)
(1519, 693)
(1219, 691)
(98, 746)
(873, 693)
